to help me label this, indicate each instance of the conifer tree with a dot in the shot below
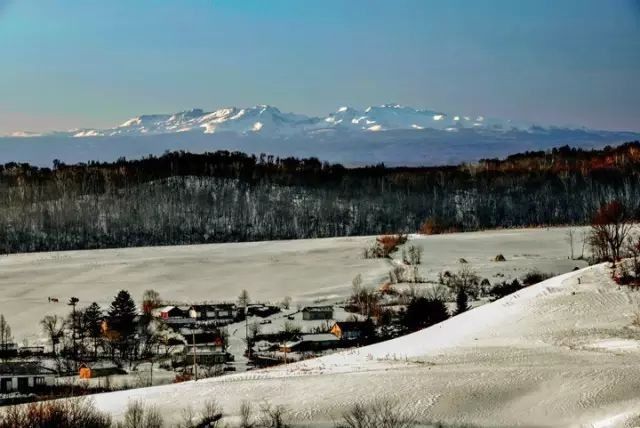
(93, 322)
(120, 320)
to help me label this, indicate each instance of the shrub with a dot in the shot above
(504, 288)
(423, 312)
(534, 277)
(462, 302)
(435, 226)
(380, 414)
(138, 416)
(412, 256)
(465, 279)
(385, 246)
(68, 413)
(499, 258)
(246, 415)
(273, 416)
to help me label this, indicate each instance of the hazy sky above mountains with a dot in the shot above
(95, 63)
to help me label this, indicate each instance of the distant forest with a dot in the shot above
(184, 198)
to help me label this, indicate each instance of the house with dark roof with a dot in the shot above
(351, 330)
(317, 313)
(214, 314)
(24, 377)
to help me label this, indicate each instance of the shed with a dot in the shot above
(317, 313)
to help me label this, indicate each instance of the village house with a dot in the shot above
(350, 330)
(262, 310)
(215, 314)
(311, 343)
(24, 377)
(208, 347)
(173, 315)
(317, 313)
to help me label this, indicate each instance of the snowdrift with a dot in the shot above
(548, 355)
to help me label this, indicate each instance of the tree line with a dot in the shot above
(185, 198)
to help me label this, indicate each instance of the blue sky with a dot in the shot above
(95, 63)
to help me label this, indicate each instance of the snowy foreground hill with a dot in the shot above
(390, 133)
(560, 353)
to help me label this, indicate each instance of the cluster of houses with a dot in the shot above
(200, 326)
(339, 334)
(216, 315)
(198, 330)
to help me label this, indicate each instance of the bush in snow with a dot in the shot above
(423, 312)
(462, 302)
(534, 277)
(504, 288)
(272, 416)
(138, 416)
(465, 279)
(70, 413)
(209, 417)
(385, 246)
(380, 414)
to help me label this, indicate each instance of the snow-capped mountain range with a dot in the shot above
(389, 133)
(270, 120)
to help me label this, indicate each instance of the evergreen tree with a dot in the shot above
(423, 312)
(462, 302)
(93, 322)
(120, 320)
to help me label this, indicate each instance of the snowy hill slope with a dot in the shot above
(560, 353)
(390, 133)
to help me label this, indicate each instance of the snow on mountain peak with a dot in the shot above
(269, 120)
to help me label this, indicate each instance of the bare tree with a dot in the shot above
(150, 301)
(273, 416)
(246, 415)
(610, 227)
(286, 302)
(380, 414)
(5, 335)
(570, 239)
(53, 327)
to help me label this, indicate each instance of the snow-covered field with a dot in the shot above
(560, 353)
(306, 270)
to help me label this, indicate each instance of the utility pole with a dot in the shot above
(246, 330)
(73, 301)
(151, 374)
(195, 366)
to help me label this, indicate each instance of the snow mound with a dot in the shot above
(503, 364)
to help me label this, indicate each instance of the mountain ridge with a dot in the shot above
(270, 119)
(388, 133)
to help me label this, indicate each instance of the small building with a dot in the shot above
(215, 314)
(173, 315)
(317, 313)
(261, 310)
(350, 330)
(28, 351)
(199, 336)
(311, 343)
(24, 377)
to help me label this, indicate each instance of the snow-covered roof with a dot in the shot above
(322, 337)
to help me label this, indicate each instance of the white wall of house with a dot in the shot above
(32, 381)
